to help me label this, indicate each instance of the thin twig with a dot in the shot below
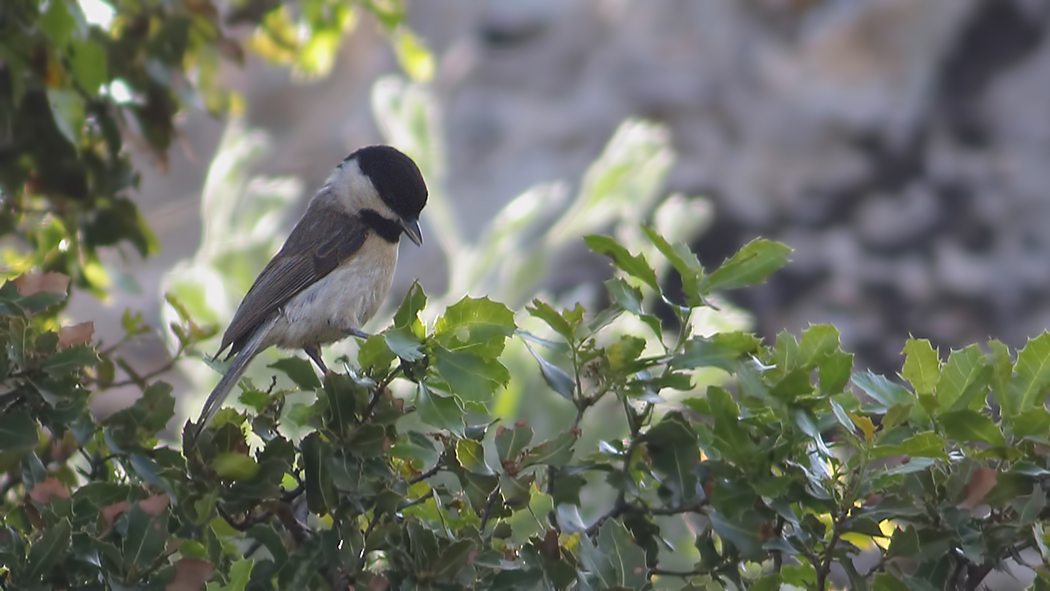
(376, 514)
(246, 523)
(678, 573)
(140, 379)
(623, 507)
(415, 502)
(424, 475)
(488, 507)
(377, 392)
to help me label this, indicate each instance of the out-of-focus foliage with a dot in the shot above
(81, 84)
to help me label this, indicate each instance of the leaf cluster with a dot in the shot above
(395, 474)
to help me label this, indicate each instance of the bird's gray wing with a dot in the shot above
(324, 238)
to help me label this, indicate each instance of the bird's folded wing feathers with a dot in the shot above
(311, 252)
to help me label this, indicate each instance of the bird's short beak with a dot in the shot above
(411, 228)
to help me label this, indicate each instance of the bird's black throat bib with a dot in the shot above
(388, 230)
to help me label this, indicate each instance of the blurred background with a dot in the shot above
(901, 147)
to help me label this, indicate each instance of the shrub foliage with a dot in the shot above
(394, 475)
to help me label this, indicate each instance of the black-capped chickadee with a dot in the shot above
(333, 270)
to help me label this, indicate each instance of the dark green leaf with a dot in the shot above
(375, 354)
(554, 452)
(1029, 508)
(454, 559)
(1033, 423)
(70, 359)
(320, 491)
(616, 562)
(48, 549)
(751, 265)
(882, 390)
(369, 441)
(970, 426)
(635, 266)
(510, 442)
(684, 260)
(556, 378)
(340, 392)
(674, 452)
(408, 312)
(415, 445)
(721, 350)
(896, 415)
(404, 344)
(556, 321)
(741, 532)
(443, 412)
(471, 456)
(146, 534)
(629, 298)
(150, 414)
(18, 431)
(928, 445)
(299, 370)
(149, 471)
(302, 566)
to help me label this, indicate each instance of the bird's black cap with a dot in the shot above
(396, 177)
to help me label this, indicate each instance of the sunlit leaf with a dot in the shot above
(751, 265)
(964, 379)
(479, 326)
(1029, 386)
(634, 265)
(921, 365)
(721, 350)
(473, 378)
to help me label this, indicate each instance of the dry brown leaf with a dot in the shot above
(78, 334)
(378, 583)
(154, 505)
(981, 483)
(110, 513)
(190, 574)
(35, 283)
(48, 489)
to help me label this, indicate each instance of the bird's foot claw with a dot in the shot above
(357, 333)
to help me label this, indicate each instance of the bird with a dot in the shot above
(334, 269)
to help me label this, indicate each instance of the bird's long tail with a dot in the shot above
(233, 374)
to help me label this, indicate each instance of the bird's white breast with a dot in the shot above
(344, 299)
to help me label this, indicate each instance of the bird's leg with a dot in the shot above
(356, 333)
(315, 353)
